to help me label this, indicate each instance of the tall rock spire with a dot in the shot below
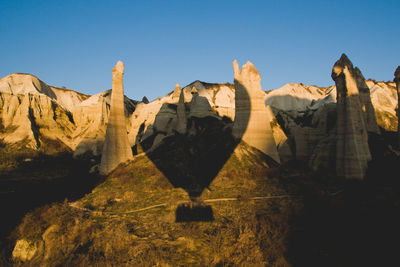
(252, 123)
(181, 113)
(352, 151)
(177, 92)
(397, 81)
(366, 103)
(116, 148)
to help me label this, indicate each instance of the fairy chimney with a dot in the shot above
(116, 149)
(352, 151)
(252, 122)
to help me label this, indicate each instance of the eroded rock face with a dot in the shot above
(32, 118)
(368, 110)
(281, 140)
(251, 115)
(165, 120)
(116, 148)
(181, 114)
(352, 151)
(176, 93)
(397, 81)
(200, 107)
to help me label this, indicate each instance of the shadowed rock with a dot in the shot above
(200, 107)
(352, 151)
(181, 114)
(116, 148)
(251, 115)
(366, 103)
(145, 100)
(397, 81)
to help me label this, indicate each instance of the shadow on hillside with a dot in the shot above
(41, 180)
(192, 161)
(355, 224)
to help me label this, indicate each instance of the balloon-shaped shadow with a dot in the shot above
(192, 161)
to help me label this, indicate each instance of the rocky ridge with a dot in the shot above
(32, 113)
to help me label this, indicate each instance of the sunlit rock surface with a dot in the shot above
(397, 81)
(116, 148)
(34, 114)
(251, 115)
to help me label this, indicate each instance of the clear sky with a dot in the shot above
(77, 43)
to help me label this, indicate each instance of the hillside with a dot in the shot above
(197, 195)
(274, 216)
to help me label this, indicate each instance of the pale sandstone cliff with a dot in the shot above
(304, 114)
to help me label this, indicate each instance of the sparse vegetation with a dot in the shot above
(320, 221)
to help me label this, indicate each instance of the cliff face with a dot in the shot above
(35, 115)
(32, 113)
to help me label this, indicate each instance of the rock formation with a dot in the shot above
(200, 107)
(176, 93)
(281, 140)
(366, 103)
(145, 100)
(352, 151)
(116, 148)
(181, 114)
(35, 115)
(397, 81)
(251, 115)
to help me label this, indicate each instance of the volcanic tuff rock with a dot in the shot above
(352, 151)
(366, 103)
(306, 114)
(37, 115)
(251, 115)
(181, 114)
(397, 81)
(32, 111)
(200, 107)
(116, 148)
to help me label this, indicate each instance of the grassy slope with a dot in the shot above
(111, 235)
(29, 179)
(328, 222)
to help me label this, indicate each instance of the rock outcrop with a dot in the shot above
(34, 114)
(281, 140)
(366, 103)
(352, 151)
(251, 115)
(116, 148)
(181, 114)
(397, 81)
(176, 93)
(200, 107)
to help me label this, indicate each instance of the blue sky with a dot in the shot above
(77, 43)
